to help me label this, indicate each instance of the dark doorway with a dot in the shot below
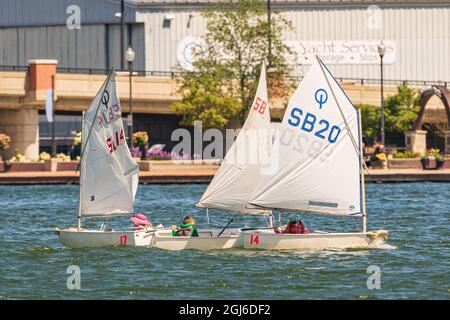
(435, 136)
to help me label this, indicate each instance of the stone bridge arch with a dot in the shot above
(416, 138)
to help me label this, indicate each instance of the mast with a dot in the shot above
(81, 183)
(363, 188)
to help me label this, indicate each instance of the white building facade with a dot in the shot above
(345, 34)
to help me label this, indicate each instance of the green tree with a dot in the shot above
(401, 110)
(224, 80)
(370, 118)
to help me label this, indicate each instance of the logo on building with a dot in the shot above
(188, 49)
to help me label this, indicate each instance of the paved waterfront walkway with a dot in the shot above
(70, 177)
(204, 175)
(407, 175)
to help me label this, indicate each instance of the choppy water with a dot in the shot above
(33, 264)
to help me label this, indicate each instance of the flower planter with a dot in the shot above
(144, 165)
(425, 163)
(67, 165)
(51, 164)
(440, 164)
(26, 166)
(405, 164)
(379, 164)
(177, 165)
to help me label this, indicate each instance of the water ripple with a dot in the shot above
(414, 264)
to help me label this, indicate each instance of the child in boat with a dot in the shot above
(294, 226)
(140, 222)
(187, 228)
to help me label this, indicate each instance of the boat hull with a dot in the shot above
(269, 240)
(82, 238)
(207, 240)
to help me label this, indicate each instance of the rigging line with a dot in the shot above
(96, 113)
(355, 145)
(357, 225)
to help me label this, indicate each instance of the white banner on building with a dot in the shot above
(330, 51)
(343, 52)
(49, 105)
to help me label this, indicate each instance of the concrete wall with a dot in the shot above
(23, 128)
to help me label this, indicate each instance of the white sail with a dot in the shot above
(108, 175)
(234, 182)
(318, 151)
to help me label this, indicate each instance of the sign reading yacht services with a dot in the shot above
(357, 52)
(343, 52)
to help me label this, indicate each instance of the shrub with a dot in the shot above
(63, 157)
(77, 139)
(5, 140)
(433, 153)
(406, 155)
(44, 156)
(140, 138)
(19, 157)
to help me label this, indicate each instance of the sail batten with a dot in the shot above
(234, 181)
(108, 174)
(319, 170)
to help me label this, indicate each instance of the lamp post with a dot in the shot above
(381, 52)
(130, 55)
(122, 31)
(53, 118)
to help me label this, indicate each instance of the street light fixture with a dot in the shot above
(129, 56)
(381, 52)
(122, 30)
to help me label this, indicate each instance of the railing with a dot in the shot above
(14, 68)
(142, 73)
(363, 81)
(174, 74)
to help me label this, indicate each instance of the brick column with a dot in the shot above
(22, 123)
(416, 141)
(40, 77)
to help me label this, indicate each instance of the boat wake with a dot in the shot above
(386, 246)
(39, 250)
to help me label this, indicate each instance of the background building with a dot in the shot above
(418, 30)
(84, 37)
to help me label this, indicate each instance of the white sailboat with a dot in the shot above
(234, 182)
(320, 168)
(108, 175)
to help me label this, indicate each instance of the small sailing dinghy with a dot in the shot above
(108, 175)
(233, 184)
(320, 168)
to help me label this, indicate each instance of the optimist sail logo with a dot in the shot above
(321, 97)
